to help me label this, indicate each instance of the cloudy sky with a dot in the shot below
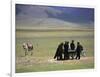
(36, 15)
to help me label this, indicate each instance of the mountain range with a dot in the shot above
(38, 16)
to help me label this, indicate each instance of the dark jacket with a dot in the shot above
(59, 51)
(79, 48)
(72, 46)
(66, 47)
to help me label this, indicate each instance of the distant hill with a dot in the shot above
(51, 17)
(51, 23)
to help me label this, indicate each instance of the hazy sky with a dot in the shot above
(33, 13)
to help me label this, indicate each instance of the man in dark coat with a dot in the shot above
(78, 50)
(66, 47)
(72, 45)
(59, 52)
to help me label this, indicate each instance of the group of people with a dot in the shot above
(64, 49)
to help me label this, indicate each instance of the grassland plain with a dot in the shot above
(45, 44)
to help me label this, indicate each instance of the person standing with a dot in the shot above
(66, 47)
(78, 50)
(59, 52)
(72, 45)
(72, 48)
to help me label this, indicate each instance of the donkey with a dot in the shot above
(28, 47)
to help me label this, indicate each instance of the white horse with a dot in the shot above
(28, 47)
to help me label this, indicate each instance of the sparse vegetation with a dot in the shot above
(45, 44)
